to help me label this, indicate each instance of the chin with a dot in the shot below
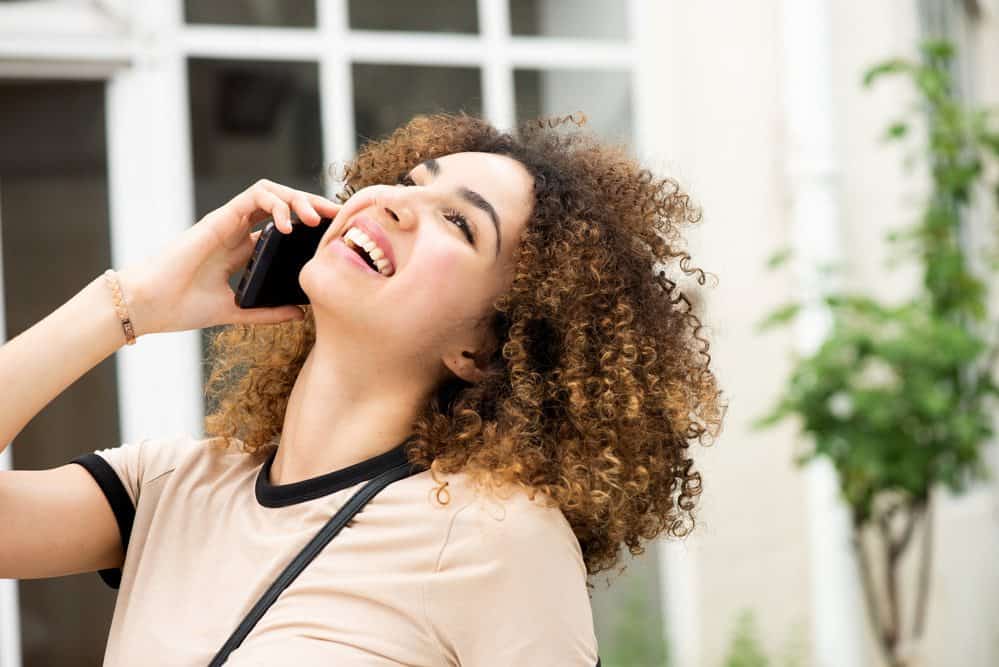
(315, 281)
(330, 295)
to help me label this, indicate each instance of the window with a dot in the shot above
(459, 16)
(276, 13)
(54, 207)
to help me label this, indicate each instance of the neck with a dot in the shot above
(343, 409)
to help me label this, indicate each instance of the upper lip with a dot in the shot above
(375, 233)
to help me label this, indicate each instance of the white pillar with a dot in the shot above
(498, 103)
(813, 178)
(10, 628)
(336, 90)
(151, 203)
(679, 595)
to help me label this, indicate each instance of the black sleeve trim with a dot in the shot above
(121, 505)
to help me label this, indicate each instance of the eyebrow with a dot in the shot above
(471, 196)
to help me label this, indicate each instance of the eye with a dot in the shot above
(451, 214)
(455, 216)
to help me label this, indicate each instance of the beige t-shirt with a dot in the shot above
(480, 581)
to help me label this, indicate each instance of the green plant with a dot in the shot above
(636, 638)
(899, 397)
(745, 649)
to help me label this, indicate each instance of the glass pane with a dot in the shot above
(252, 120)
(604, 96)
(387, 96)
(56, 238)
(425, 16)
(628, 616)
(280, 13)
(592, 19)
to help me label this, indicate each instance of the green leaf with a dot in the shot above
(779, 257)
(939, 49)
(778, 316)
(893, 66)
(896, 130)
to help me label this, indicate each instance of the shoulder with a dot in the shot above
(521, 555)
(511, 523)
(138, 463)
(152, 456)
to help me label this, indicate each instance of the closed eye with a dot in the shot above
(450, 214)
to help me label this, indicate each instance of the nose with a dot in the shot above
(398, 204)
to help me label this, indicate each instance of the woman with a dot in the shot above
(510, 334)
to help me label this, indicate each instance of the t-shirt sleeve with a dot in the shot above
(121, 472)
(510, 588)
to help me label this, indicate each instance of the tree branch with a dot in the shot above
(903, 541)
(924, 570)
(870, 592)
(891, 583)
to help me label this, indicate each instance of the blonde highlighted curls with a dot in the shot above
(602, 379)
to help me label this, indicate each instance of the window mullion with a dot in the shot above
(251, 43)
(498, 104)
(336, 92)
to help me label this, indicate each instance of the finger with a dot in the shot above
(306, 213)
(266, 315)
(249, 207)
(279, 210)
(246, 209)
(240, 256)
(324, 206)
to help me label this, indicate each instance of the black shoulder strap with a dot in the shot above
(308, 554)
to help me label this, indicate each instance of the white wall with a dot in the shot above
(721, 127)
(723, 132)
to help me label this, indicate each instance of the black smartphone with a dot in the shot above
(271, 276)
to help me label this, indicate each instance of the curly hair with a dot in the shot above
(601, 379)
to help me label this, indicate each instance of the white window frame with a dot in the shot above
(141, 48)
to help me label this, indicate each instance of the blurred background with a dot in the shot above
(123, 122)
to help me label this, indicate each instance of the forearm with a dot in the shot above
(40, 363)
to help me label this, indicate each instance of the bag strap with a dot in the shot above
(309, 553)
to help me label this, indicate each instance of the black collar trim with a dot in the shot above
(283, 495)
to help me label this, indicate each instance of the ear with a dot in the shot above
(471, 360)
(469, 366)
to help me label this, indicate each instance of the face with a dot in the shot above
(452, 228)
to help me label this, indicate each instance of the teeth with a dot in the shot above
(361, 239)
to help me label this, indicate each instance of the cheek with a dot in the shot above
(444, 265)
(439, 272)
(444, 285)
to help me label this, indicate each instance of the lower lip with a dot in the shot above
(341, 247)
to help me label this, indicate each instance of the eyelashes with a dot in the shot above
(451, 214)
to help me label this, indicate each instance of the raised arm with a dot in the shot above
(40, 363)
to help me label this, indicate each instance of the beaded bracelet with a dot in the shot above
(119, 306)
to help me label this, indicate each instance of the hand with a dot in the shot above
(187, 285)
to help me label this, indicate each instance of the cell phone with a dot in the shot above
(271, 276)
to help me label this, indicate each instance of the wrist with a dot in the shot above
(128, 301)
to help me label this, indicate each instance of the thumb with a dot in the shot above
(265, 315)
